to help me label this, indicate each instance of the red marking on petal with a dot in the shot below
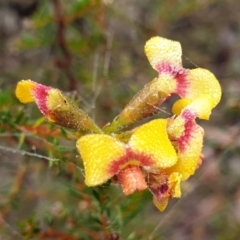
(40, 93)
(162, 189)
(179, 73)
(189, 129)
(143, 159)
(182, 82)
(189, 115)
(158, 185)
(131, 179)
(166, 67)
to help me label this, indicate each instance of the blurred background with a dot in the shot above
(93, 51)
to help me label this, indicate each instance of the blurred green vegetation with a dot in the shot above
(93, 51)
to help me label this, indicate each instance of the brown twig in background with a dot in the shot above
(65, 62)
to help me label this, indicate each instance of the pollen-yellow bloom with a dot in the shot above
(55, 106)
(198, 85)
(147, 156)
(105, 156)
(157, 155)
(24, 91)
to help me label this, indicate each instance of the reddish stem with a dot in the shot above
(65, 62)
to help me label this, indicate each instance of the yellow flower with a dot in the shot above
(158, 155)
(187, 136)
(141, 163)
(54, 105)
(187, 139)
(197, 87)
(29, 91)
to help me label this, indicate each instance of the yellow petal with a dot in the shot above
(179, 105)
(163, 191)
(24, 91)
(98, 152)
(175, 127)
(161, 51)
(189, 153)
(152, 139)
(160, 205)
(204, 83)
(201, 95)
(174, 184)
(200, 107)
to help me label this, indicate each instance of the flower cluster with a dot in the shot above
(157, 155)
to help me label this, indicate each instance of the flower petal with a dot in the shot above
(188, 144)
(164, 54)
(174, 184)
(201, 92)
(160, 204)
(131, 179)
(200, 107)
(55, 106)
(152, 139)
(179, 105)
(165, 57)
(98, 152)
(29, 91)
(164, 187)
(24, 91)
(203, 83)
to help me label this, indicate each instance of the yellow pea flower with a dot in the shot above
(158, 155)
(188, 144)
(141, 163)
(55, 106)
(198, 84)
(192, 85)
